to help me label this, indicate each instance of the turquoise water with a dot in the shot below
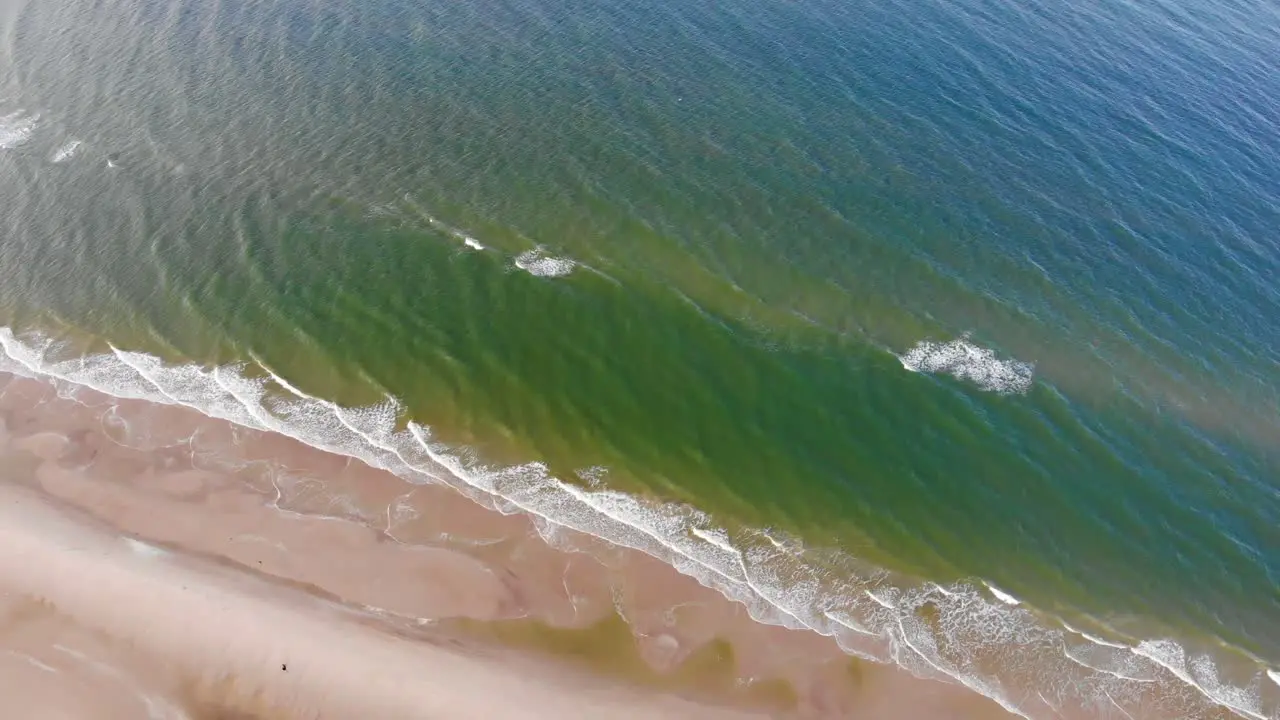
(892, 299)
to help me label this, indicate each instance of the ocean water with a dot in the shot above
(948, 329)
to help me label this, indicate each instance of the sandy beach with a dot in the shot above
(131, 630)
(157, 563)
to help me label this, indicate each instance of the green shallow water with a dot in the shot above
(766, 207)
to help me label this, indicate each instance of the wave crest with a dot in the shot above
(538, 262)
(66, 151)
(16, 129)
(966, 361)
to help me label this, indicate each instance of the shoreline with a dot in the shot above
(140, 501)
(810, 680)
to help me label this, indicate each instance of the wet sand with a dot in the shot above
(158, 563)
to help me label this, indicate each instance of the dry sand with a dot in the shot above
(157, 563)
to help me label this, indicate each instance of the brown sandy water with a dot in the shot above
(364, 585)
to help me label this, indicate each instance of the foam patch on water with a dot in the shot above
(16, 129)
(538, 262)
(958, 633)
(66, 151)
(966, 361)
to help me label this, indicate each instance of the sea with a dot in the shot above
(947, 328)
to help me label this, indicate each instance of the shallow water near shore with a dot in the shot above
(417, 562)
(944, 331)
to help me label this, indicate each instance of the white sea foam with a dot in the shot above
(1119, 707)
(882, 602)
(716, 537)
(538, 262)
(1094, 639)
(466, 240)
(16, 129)
(1003, 596)
(1200, 673)
(930, 630)
(453, 232)
(31, 661)
(1275, 676)
(966, 361)
(66, 151)
(1118, 662)
(144, 549)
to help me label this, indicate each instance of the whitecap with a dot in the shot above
(66, 151)
(966, 361)
(1003, 596)
(538, 262)
(453, 232)
(16, 129)
(943, 590)
(1094, 639)
(1275, 676)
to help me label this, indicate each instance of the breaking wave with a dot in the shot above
(16, 129)
(535, 262)
(453, 232)
(538, 262)
(1033, 667)
(66, 151)
(966, 361)
(1003, 596)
